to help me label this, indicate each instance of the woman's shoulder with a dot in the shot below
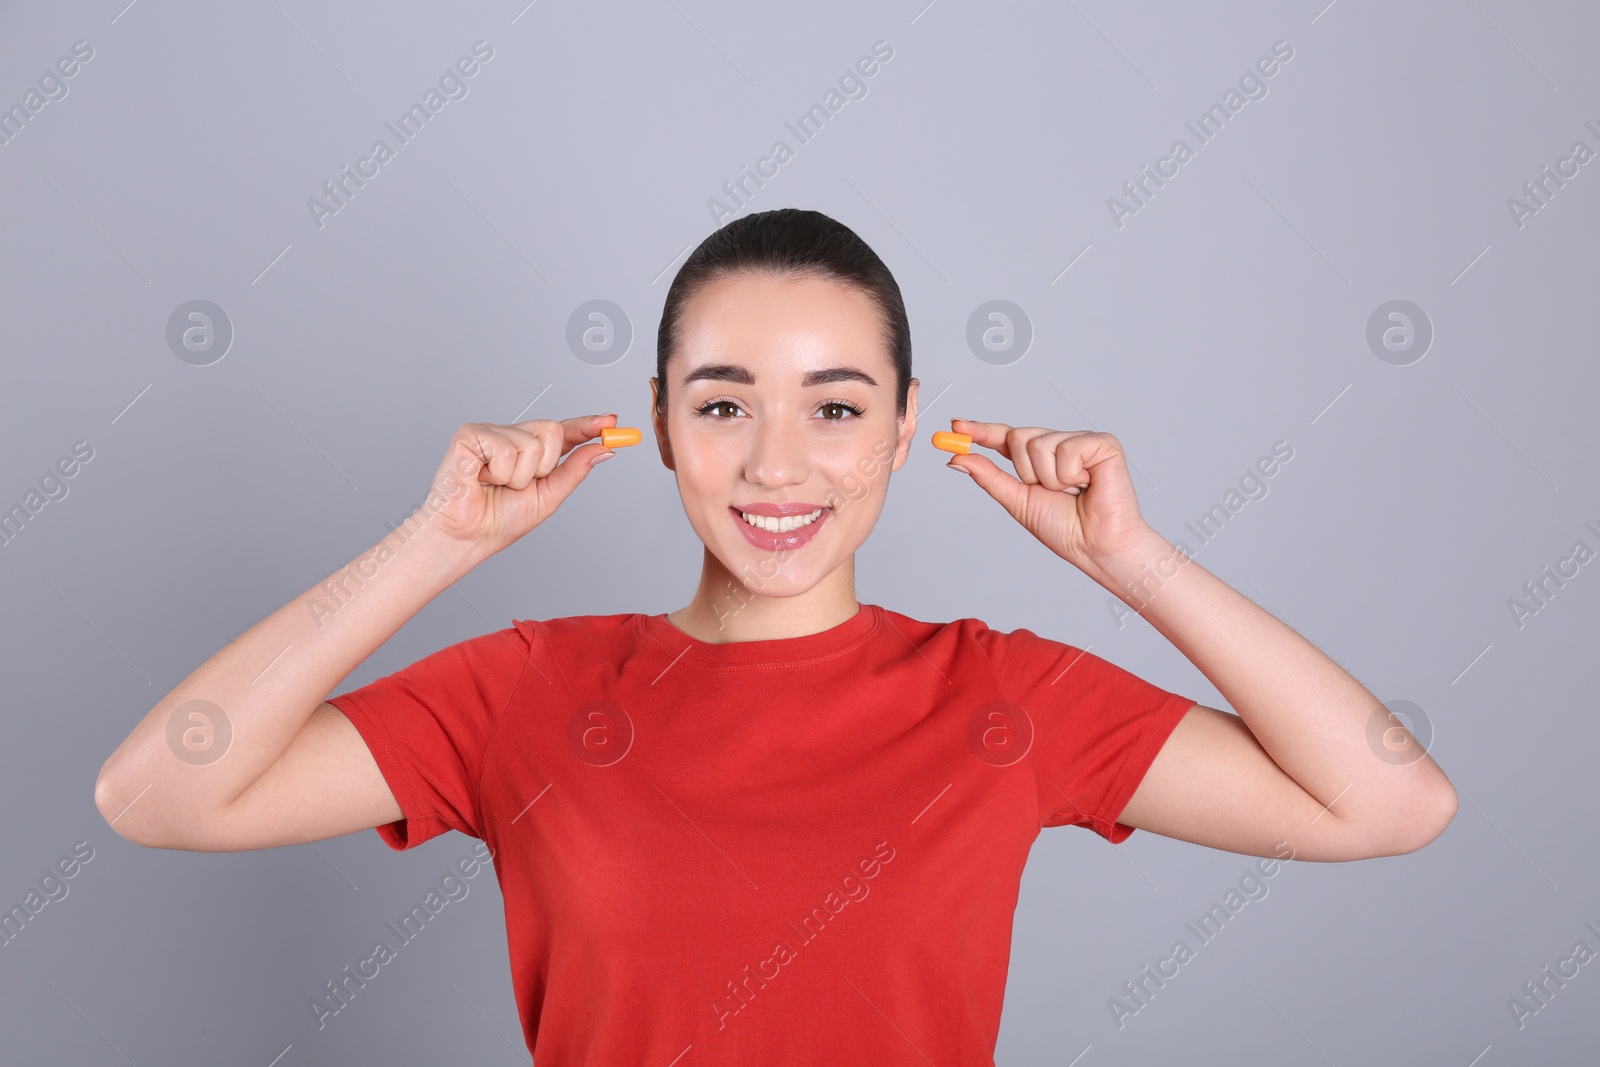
(618, 624)
(1004, 640)
(970, 623)
(969, 629)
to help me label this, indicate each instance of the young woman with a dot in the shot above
(776, 825)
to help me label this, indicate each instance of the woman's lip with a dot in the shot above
(776, 511)
(777, 542)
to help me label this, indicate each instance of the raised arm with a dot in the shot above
(245, 752)
(1312, 760)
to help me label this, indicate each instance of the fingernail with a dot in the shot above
(602, 458)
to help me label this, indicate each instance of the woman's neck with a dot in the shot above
(725, 610)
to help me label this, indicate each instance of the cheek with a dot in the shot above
(700, 466)
(858, 479)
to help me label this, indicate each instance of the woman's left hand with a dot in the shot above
(1071, 491)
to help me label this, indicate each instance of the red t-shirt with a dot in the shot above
(795, 851)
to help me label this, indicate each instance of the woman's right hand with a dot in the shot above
(497, 482)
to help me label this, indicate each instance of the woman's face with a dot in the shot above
(781, 397)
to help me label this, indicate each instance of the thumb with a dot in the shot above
(1005, 488)
(560, 482)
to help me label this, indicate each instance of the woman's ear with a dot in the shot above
(659, 423)
(908, 426)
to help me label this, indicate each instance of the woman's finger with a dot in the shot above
(528, 447)
(1047, 453)
(498, 454)
(988, 434)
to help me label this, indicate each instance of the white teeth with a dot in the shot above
(783, 525)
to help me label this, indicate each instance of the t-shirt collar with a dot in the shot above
(775, 652)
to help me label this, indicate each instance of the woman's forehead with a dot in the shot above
(764, 330)
(779, 299)
(740, 374)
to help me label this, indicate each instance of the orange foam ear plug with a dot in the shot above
(950, 441)
(619, 436)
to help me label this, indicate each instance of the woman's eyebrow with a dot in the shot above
(733, 372)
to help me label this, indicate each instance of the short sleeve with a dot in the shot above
(429, 727)
(1096, 727)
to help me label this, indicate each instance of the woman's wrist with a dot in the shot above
(1135, 573)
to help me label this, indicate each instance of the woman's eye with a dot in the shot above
(835, 404)
(715, 410)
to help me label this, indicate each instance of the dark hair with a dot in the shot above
(789, 242)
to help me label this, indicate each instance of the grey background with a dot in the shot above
(1229, 313)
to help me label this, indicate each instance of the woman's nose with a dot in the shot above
(777, 454)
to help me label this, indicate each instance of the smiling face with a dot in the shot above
(781, 426)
